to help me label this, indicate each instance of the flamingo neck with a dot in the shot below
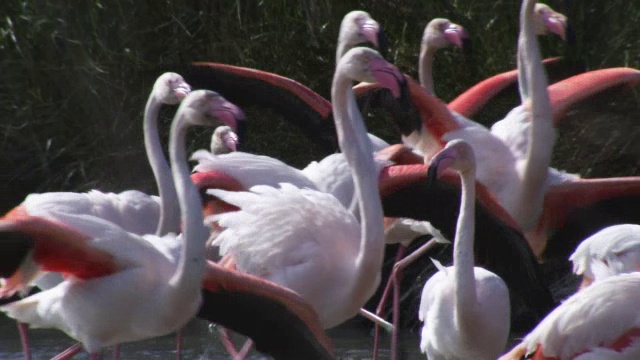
(190, 269)
(463, 258)
(541, 133)
(169, 212)
(425, 68)
(356, 147)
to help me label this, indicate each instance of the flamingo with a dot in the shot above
(350, 258)
(438, 33)
(296, 102)
(359, 27)
(132, 210)
(599, 322)
(465, 309)
(614, 249)
(102, 260)
(224, 140)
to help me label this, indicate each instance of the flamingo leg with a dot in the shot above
(227, 343)
(383, 300)
(242, 354)
(22, 329)
(69, 352)
(396, 276)
(179, 344)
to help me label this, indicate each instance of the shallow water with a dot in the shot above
(351, 341)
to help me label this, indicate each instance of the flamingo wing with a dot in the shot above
(249, 87)
(34, 243)
(500, 247)
(278, 320)
(574, 210)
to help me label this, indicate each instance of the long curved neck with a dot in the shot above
(542, 133)
(354, 143)
(425, 68)
(169, 212)
(189, 271)
(463, 259)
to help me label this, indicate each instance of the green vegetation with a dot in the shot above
(76, 74)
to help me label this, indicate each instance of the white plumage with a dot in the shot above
(251, 169)
(293, 233)
(590, 320)
(615, 249)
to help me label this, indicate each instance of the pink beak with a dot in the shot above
(555, 25)
(182, 91)
(369, 29)
(455, 34)
(229, 114)
(387, 75)
(231, 140)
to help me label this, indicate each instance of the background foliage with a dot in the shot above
(75, 76)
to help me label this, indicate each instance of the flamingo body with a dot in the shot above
(437, 339)
(591, 322)
(611, 251)
(465, 308)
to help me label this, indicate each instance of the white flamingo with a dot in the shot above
(465, 309)
(600, 322)
(611, 251)
(305, 239)
(115, 277)
(438, 33)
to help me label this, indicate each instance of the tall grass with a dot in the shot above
(75, 74)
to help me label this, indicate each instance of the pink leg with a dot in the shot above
(244, 351)
(383, 300)
(397, 280)
(227, 343)
(179, 343)
(69, 353)
(116, 352)
(22, 329)
(396, 277)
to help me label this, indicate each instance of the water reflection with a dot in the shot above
(351, 341)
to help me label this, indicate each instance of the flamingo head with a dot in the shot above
(440, 33)
(457, 155)
(549, 21)
(224, 140)
(170, 88)
(359, 27)
(208, 108)
(367, 65)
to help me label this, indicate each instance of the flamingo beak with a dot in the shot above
(556, 23)
(182, 91)
(228, 113)
(456, 35)
(371, 31)
(231, 140)
(387, 75)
